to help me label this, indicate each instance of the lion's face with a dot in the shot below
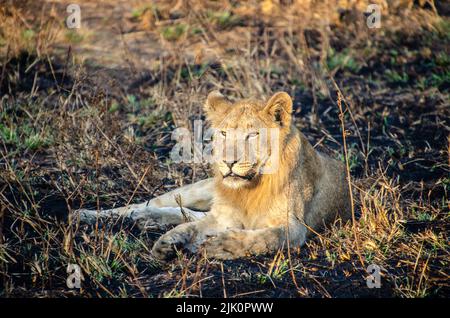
(248, 136)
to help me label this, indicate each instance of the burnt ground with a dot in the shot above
(96, 133)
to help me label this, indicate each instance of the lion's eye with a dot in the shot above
(223, 133)
(253, 134)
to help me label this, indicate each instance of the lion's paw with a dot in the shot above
(224, 246)
(166, 246)
(163, 249)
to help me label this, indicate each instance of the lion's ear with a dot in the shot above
(216, 104)
(279, 107)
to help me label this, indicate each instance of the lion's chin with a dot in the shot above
(236, 182)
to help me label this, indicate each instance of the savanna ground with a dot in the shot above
(86, 117)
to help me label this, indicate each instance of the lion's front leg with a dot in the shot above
(234, 244)
(188, 236)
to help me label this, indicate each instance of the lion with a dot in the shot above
(251, 211)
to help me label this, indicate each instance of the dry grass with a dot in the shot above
(82, 134)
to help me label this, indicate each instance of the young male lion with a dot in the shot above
(251, 211)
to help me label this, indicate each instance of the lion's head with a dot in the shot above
(249, 136)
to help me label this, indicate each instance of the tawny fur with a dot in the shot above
(260, 215)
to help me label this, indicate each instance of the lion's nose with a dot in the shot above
(230, 164)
